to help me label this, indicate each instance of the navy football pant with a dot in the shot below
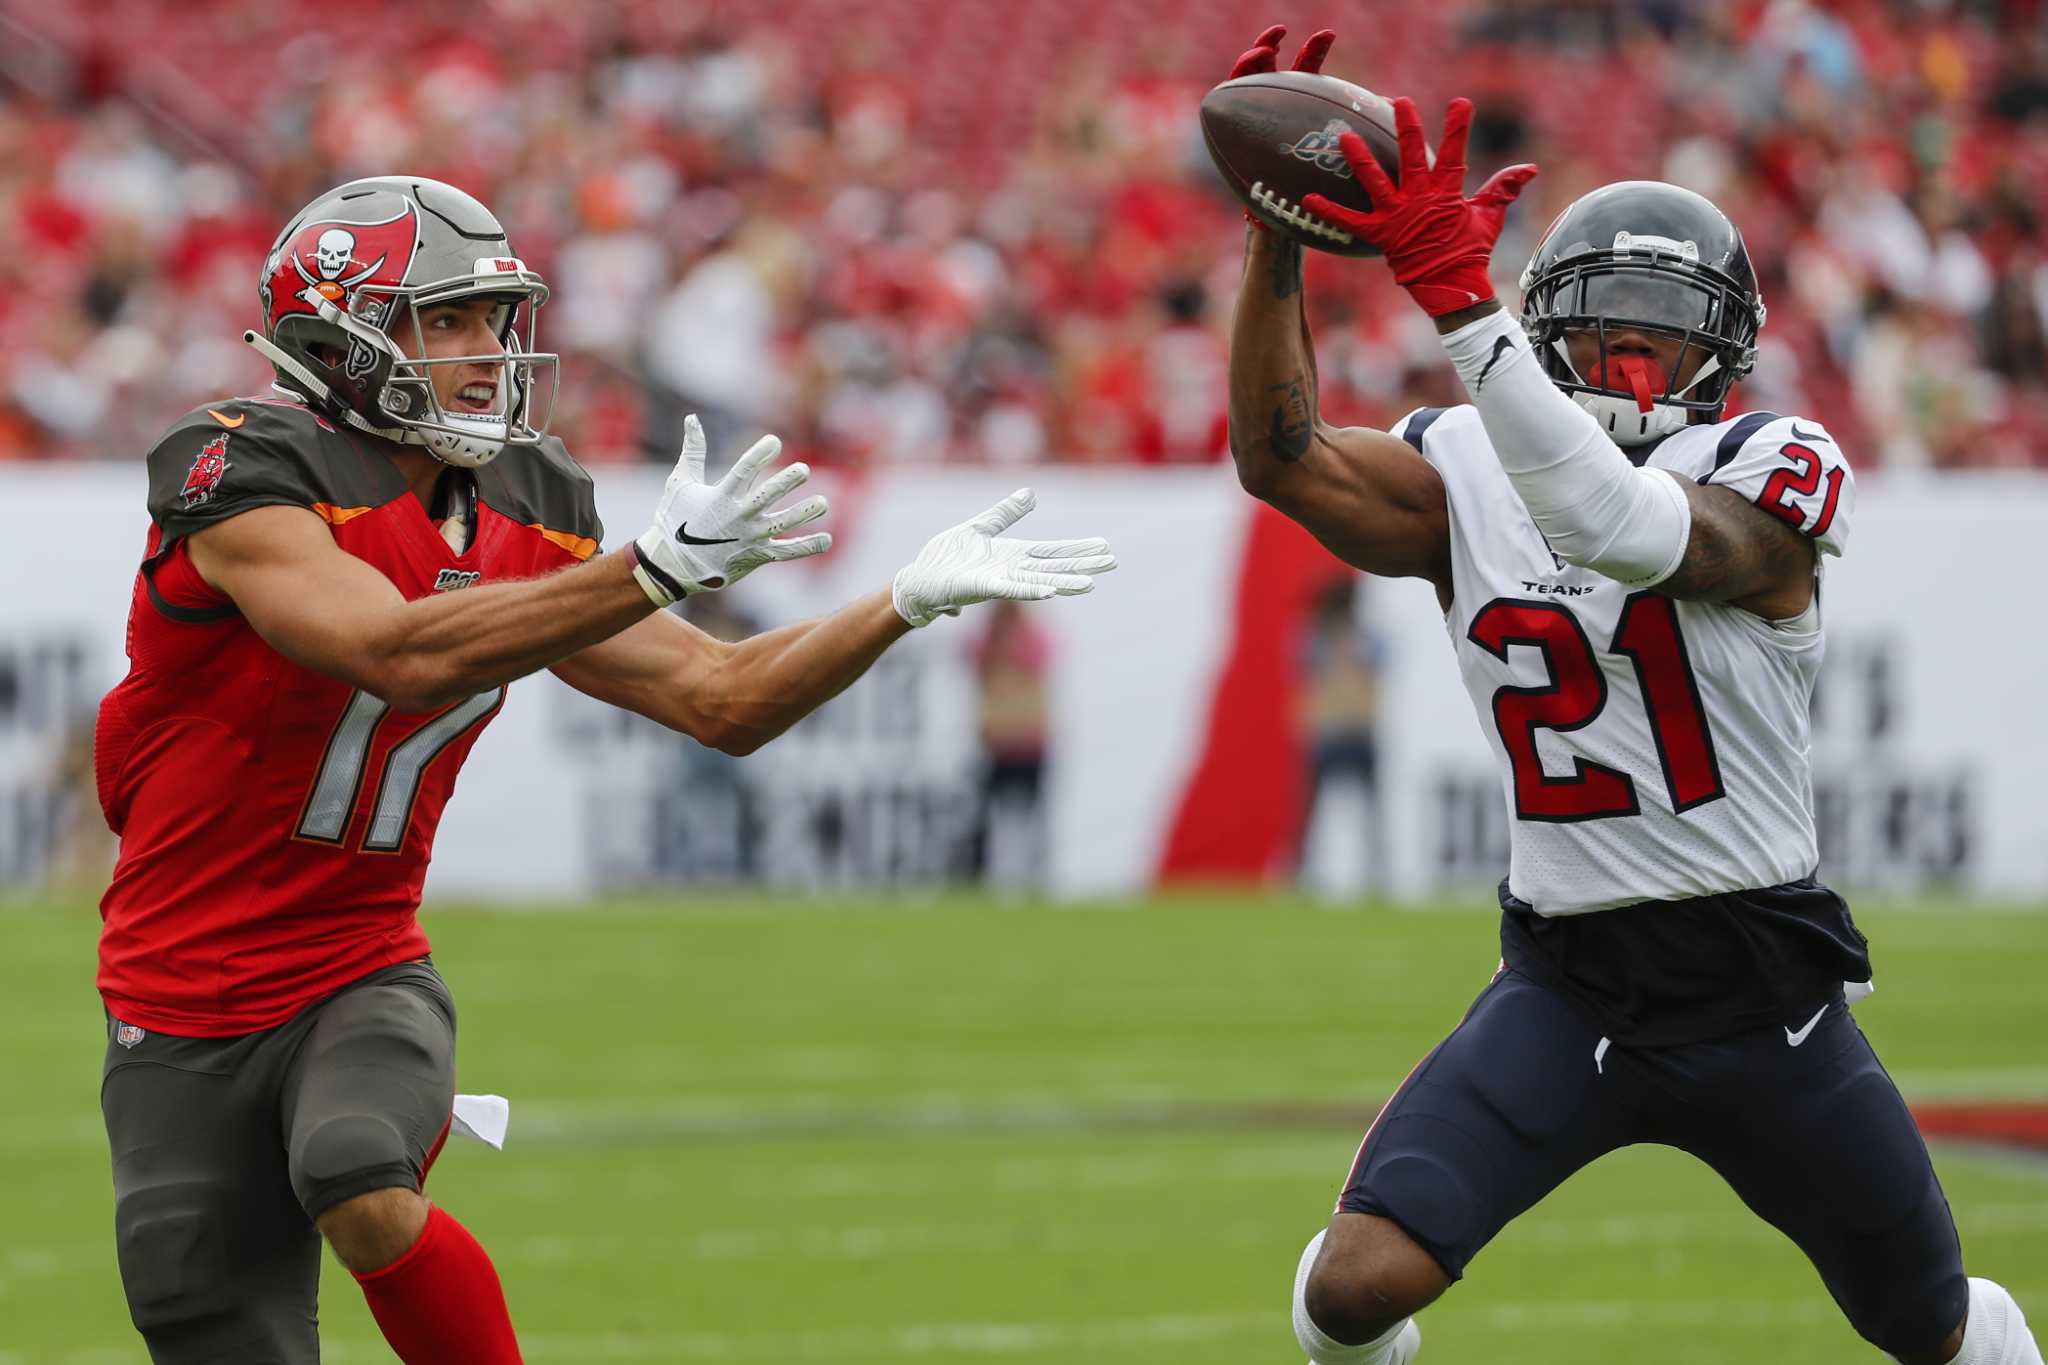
(1814, 1138)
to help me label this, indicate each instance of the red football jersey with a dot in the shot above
(276, 824)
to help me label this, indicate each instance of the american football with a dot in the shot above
(1273, 137)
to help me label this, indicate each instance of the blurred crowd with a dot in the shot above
(972, 230)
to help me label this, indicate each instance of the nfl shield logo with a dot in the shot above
(127, 1035)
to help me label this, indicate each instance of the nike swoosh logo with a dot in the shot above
(683, 534)
(1500, 344)
(1809, 435)
(1795, 1039)
(229, 422)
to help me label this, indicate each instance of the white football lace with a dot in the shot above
(1294, 216)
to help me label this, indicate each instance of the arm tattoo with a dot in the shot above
(1735, 550)
(1286, 269)
(1292, 422)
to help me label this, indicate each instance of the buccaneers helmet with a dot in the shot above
(348, 277)
(1650, 256)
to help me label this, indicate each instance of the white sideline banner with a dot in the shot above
(1928, 757)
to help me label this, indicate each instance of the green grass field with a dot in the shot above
(769, 1131)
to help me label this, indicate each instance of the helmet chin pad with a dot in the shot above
(1629, 422)
(1630, 411)
(478, 440)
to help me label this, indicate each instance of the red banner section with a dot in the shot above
(1240, 816)
(2019, 1124)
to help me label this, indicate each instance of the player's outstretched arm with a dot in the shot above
(322, 607)
(1641, 526)
(737, 697)
(1368, 496)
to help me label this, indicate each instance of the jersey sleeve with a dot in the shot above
(543, 487)
(204, 471)
(1412, 427)
(1791, 468)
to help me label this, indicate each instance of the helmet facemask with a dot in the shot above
(1659, 289)
(523, 385)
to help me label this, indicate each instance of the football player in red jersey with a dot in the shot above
(339, 583)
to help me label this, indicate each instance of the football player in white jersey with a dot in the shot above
(1633, 588)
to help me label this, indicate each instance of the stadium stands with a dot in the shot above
(969, 230)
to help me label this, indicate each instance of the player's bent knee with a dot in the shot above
(173, 1255)
(1369, 1275)
(347, 1155)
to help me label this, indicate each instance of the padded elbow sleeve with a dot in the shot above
(1596, 509)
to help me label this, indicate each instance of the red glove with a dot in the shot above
(1264, 53)
(1436, 241)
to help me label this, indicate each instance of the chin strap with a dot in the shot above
(316, 392)
(452, 449)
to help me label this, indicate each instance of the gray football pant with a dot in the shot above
(226, 1149)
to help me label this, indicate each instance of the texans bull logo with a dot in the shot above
(208, 469)
(329, 262)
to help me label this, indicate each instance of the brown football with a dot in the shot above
(1274, 137)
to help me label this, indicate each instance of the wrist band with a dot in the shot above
(661, 589)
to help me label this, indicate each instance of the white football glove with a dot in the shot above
(969, 564)
(711, 535)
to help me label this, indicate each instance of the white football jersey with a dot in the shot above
(1650, 749)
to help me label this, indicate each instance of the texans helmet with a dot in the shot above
(1645, 255)
(350, 274)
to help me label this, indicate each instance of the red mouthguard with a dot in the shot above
(1640, 375)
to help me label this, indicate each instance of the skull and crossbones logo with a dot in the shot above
(332, 254)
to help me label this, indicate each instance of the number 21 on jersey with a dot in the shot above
(1647, 635)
